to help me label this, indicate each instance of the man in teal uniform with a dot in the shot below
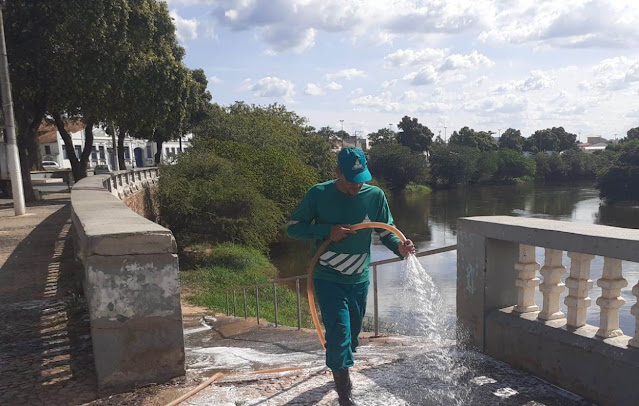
(342, 277)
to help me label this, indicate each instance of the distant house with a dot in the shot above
(355, 142)
(137, 153)
(594, 143)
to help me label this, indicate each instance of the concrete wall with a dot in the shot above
(132, 288)
(601, 370)
(145, 203)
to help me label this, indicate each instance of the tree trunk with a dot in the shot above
(121, 136)
(27, 132)
(158, 154)
(78, 166)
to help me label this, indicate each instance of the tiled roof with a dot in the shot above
(47, 133)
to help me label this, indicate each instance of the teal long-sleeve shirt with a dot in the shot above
(323, 206)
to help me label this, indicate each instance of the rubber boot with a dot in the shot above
(343, 386)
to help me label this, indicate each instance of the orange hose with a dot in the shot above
(311, 269)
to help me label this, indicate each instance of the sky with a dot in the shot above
(486, 64)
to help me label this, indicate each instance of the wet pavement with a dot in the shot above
(391, 370)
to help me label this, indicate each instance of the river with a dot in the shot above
(430, 220)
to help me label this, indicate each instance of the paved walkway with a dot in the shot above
(45, 344)
(390, 371)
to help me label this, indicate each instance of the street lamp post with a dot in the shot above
(499, 132)
(13, 156)
(342, 121)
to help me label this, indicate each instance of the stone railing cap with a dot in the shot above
(109, 227)
(595, 239)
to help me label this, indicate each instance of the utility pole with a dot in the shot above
(9, 126)
(444, 134)
(499, 132)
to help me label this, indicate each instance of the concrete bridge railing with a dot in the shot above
(131, 283)
(497, 313)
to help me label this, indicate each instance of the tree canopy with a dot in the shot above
(382, 136)
(511, 139)
(467, 137)
(414, 135)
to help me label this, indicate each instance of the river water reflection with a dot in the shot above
(431, 221)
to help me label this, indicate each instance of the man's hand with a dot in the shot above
(406, 248)
(340, 231)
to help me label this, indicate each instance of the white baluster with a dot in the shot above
(578, 286)
(526, 279)
(610, 301)
(552, 287)
(634, 310)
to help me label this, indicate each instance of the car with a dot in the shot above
(101, 170)
(50, 165)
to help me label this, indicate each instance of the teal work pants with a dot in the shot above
(343, 306)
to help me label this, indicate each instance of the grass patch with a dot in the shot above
(209, 270)
(414, 188)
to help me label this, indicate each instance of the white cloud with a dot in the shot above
(507, 104)
(567, 23)
(464, 62)
(424, 76)
(412, 57)
(613, 74)
(272, 87)
(346, 74)
(313, 89)
(186, 29)
(633, 113)
(333, 86)
(538, 80)
(376, 103)
(214, 80)
(288, 38)
(378, 20)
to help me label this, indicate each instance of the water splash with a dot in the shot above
(423, 312)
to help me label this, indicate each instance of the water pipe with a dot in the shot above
(311, 269)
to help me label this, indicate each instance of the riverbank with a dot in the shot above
(207, 271)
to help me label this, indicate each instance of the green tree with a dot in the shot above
(511, 139)
(633, 133)
(414, 135)
(513, 164)
(317, 153)
(551, 139)
(382, 136)
(396, 165)
(467, 137)
(621, 180)
(453, 164)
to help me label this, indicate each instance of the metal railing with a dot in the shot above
(297, 279)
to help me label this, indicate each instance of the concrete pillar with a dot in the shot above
(634, 310)
(611, 283)
(552, 287)
(527, 280)
(578, 284)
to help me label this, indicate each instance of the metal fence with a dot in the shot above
(232, 293)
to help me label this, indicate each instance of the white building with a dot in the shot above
(137, 153)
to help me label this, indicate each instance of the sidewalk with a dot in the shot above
(45, 344)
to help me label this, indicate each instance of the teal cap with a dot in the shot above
(352, 162)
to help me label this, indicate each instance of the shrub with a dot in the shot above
(204, 197)
(279, 175)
